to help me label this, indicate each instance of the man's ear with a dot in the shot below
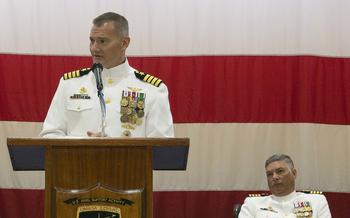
(125, 43)
(294, 171)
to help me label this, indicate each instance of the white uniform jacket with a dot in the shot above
(75, 108)
(296, 204)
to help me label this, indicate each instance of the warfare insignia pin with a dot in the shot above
(83, 90)
(269, 208)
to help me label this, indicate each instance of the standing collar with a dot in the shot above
(122, 70)
(288, 197)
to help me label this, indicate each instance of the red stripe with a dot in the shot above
(202, 88)
(29, 82)
(21, 203)
(185, 204)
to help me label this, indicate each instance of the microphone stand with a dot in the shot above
(97, 69)
(103, 110)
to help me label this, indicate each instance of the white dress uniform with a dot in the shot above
(296, 204)
(75, 108)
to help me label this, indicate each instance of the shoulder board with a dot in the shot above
(148, 78)
(312, 192)
(258, 195)
(76, 73)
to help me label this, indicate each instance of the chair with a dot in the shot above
(236, 210)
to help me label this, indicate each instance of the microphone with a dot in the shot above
(97, 69)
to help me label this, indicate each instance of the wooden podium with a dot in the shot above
(98, 177)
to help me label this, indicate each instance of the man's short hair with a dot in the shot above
(120, 22)
(280, 157)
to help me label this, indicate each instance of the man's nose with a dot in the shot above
(94, 46)
(275, 176)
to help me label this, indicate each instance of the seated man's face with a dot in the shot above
(280, 178)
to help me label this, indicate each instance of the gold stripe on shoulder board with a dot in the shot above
(76, 73)
(150, 79)
(312, 192)
(258, 194)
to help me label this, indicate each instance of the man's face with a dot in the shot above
(107, 46)
(280, 178)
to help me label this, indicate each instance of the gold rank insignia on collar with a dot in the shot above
(148, 78)
(76, 73)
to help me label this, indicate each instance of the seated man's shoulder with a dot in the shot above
(312, 195)
(257, 197)
(311, 192)
(253, 204)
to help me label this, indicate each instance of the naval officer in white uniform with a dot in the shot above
(284, 201)
(135, 104)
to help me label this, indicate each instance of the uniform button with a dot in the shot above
(108, 100)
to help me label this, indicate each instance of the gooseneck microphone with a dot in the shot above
(97, 69)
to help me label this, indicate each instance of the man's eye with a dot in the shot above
(280, 171)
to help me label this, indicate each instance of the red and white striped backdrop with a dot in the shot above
(246, 79)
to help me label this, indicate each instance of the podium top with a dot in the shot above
(29, 153)
(98, 141)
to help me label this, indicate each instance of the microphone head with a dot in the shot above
(97, 69)
(97, 66)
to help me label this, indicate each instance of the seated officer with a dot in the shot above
(284, 201)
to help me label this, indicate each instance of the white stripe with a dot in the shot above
(182, 27)
(229, 156)
(18, 179)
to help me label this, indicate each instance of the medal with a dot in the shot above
(124, 102)
(138, 121)
(140, 104)
(128, 111)
(132, 104)
(123, 110)
(140, 113)
(124, 118)
(133, 101)
(133, 119)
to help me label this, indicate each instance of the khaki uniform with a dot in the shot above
(75, 108)
(296, 204)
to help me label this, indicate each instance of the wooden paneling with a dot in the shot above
(79, 164)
